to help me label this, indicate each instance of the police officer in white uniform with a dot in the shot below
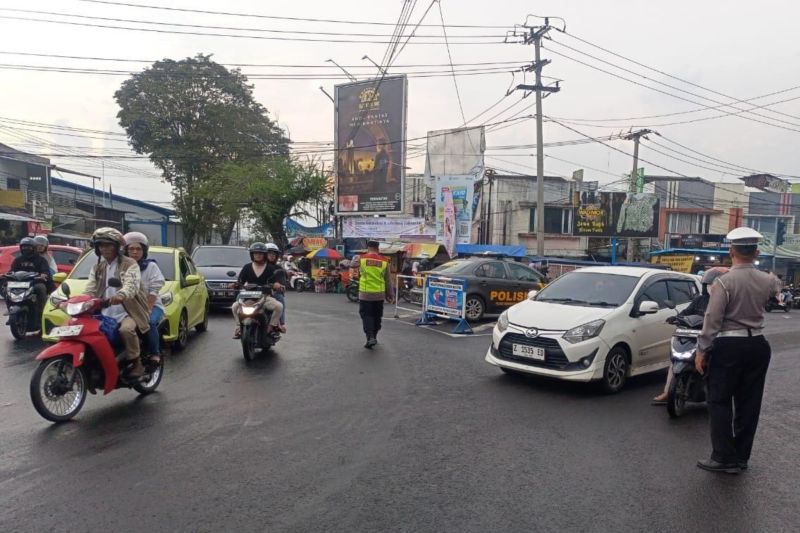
(734, 354)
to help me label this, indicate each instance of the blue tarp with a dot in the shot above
(475, 249)
(295, 229)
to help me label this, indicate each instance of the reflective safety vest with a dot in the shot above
(373, 269)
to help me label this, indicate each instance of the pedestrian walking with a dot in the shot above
(734, 355)
(374, 286)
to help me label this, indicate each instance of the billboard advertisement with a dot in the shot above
(384, 227)
(369, 135)
(462, 189)
(617, 214)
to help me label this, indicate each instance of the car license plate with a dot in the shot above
(531, 352)
(19, 284)
(223, 293)
(66, 331)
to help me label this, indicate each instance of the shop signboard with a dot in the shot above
(617, 214)
(369, 136)
(462, 190)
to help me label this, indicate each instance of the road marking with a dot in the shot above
(454, 335)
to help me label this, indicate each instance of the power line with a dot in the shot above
(275, 17)
(452, 69)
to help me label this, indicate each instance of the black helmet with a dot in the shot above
(258, 247)
(27, 246)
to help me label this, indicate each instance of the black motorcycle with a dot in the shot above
(774, 305)
(253, 321)
(687, 383)
(21, 302)
(352, 291)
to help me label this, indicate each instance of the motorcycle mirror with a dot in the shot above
(231, 274)
(65, 289)
(114, 282)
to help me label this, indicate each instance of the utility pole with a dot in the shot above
(633, 182)
(534, 36)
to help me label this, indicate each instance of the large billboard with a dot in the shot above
(462, 189)
(370, 131)
(617, 214)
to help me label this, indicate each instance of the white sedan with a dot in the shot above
(593, 324)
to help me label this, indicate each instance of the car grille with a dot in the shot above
(554, 356)
(218, 284)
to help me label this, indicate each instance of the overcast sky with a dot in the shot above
(725, 46)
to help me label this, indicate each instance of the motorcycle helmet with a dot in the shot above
(111, 235)
(258, 247)
(272, 247)
(27, 246)
(135, 237)
(41, 240)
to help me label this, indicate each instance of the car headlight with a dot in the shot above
(584, 332)
(57, 299)
(166, 299)
(79, 308)
(502, 322)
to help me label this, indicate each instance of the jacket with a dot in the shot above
(132, 291)
(374, 282)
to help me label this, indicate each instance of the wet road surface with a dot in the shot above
(419, 435)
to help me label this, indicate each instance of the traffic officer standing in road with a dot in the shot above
(374, 286)
(734, 354)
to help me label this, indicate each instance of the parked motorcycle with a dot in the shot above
(21, 303)
(352, 290)
(253, 321)
(298, 280)
(774, 305)
(687, 383)
(84, 360)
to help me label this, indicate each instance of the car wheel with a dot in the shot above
(183, 333)
(615, 370)
(475, 308)
(202, 327)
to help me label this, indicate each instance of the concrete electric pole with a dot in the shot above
(633, 185)
(534, 36)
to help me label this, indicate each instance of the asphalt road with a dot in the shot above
(418, 435)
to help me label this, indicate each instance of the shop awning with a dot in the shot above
(17, 218)
(476, 249)
(419, 250)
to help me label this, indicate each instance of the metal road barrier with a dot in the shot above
(409, 294)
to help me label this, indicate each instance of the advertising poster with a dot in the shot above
(678, 263)
(617, 214)
(445, 296)
(384, 228)
(369, 131)
(449, 231)
(462, 190)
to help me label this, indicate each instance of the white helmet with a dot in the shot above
(272, 247)
(135, 237)
(744, 236)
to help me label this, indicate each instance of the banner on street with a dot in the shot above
(384, 228)
(462, 191)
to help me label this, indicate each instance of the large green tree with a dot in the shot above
(192, 117)
(277, 188)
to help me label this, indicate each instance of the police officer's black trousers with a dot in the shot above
(737, 369)
(371, 315)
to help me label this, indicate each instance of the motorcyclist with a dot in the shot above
(30, 261)
(42, 243)
(136, 247)
(263, 271)
(127, 304)
(696, 307)
(273, 258)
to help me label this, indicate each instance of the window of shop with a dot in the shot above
(556, 220)
(688, 223)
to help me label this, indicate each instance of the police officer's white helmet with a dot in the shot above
(744, 237)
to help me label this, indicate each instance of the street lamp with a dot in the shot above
(380, 68)
(352, 78)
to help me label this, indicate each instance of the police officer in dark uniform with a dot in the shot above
(734, 354)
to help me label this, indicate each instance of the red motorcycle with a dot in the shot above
(83, 360)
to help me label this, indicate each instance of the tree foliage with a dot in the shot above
(192, 117)
(275, 188)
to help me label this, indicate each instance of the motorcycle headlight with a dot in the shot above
(57, 299)
(166, 299)
(502, 322)
(247, 311)
(79, 308)
(584, 332)
(683, 355)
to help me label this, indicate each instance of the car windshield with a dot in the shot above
(219, 256)
(589, 289)
(452, 266)
(164, 260)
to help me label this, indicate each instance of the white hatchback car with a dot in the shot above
(593, 324)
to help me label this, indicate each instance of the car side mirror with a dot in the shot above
(59, 277)
(532, 294)
(192, 279)
(231, 274)
(648, 307)
(65, 289)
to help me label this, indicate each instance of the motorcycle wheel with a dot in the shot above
(19, 325)
(300, 285)
(676, 396)
(352, 294)
(155, 374)
(48, 389)
(249, 341)
(406, 295)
